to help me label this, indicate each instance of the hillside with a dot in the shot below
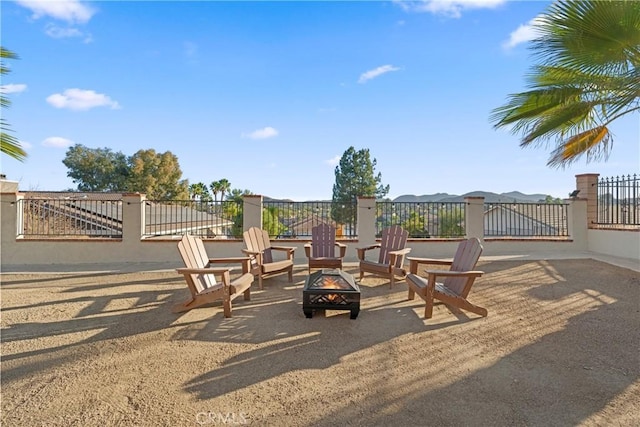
(513, 196)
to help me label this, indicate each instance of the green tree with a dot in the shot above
(100, 169)
(225, 186)
(234, 210)
(9, 144)
(236, 194)
(97, 169)
(416, 225)
(157, 175)
(271, 222)
(199, 191)
(215, 187)
(450, 221)
(587, 77)
(355, 176)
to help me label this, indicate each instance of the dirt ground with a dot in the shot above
(560, 347)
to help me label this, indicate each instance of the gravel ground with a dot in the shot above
(560, 347)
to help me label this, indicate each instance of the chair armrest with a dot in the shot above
(283, 248)
(251, 253)
(307, 250)
(207, 270)
(288, 249)
(362, 251)
(400, 252)
(244, 260)
(343, 249)
(414, 262)
(229, 260)
(470, 273)
(366, 248)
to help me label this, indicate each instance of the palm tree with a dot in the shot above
(9, 144)
(215, 189)
(225, 186)
(587, 77)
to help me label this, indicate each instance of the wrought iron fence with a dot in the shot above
(291, 220)
(422, 219)
(525, 220)
(207, 219)
(619, 201)
(72, 216)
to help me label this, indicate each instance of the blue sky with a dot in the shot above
(269, 95)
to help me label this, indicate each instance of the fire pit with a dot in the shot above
(330, 289)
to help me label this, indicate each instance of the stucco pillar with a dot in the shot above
(132, 217)
(366, 220)
(9, 212)
(587, 183)
(10, 218)
(474, 217)
(251, 211)
(577, 223)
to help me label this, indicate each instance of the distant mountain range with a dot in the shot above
(513, 196)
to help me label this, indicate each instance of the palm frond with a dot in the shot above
(9, 144)
(593, 142)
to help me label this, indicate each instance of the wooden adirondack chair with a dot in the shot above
(259, 249)
(201, 279)
(456, 282)
(321, 252)
(391, 257)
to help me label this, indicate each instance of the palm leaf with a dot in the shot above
(594, 143)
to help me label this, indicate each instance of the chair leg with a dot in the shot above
(412, 293)
(227, 307)
(392, 281)
(428, 308)
(260, 281)
(291, 274)
(247, 294)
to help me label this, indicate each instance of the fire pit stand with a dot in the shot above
(329, 289)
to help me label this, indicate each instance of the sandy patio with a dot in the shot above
(561, 347)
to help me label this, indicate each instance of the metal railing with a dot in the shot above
(208, 219)
(422, 219)
(69, 216)
(291, 220)
(526, 220)
(619, 201)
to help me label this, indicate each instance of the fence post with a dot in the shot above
(474, 217)
(587, 183)
(578, 223)
(366, 219)
(133, 217)
(251, 211)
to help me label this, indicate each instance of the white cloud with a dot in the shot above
(264, 133)
(333, 161)
(57, 32)
(78, 99)
(57, 142)
(72, 11)
(450, 8)
(13, 88)
(376, 72)
(522, 34)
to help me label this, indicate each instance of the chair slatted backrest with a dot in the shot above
(323, 241)
(393, 238)
(257, 240)
(194, 255)
(465, 259)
